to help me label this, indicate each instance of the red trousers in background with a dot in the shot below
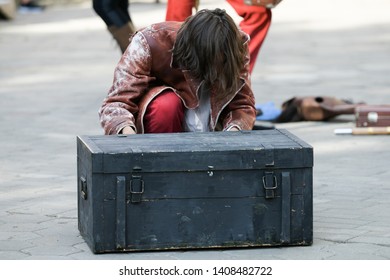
(255, 22)
(164, 114)
(179, 10)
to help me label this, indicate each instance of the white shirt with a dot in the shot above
(197, 120)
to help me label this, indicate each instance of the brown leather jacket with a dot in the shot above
(145, 70)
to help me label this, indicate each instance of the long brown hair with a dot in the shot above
(210, 46)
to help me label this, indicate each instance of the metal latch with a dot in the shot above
(270, 183)
(83, 188)
(137, 186)
(372, 117)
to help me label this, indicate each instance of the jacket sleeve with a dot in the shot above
(131, 81)
(241, 111)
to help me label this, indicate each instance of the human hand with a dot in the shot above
(128, 130)
(234, 129)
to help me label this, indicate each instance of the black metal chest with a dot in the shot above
(194, 190)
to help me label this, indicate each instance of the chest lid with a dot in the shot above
(170, 152)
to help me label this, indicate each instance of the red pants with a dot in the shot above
(179, 10)
(164, 114)
(255, 21)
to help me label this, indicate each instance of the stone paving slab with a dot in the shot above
(56, 68)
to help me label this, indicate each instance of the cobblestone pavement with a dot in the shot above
(56, 67)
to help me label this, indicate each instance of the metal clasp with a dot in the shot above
(210, 170)
(372, 117)
(137, 186)
(270, 183)
(83, 188)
